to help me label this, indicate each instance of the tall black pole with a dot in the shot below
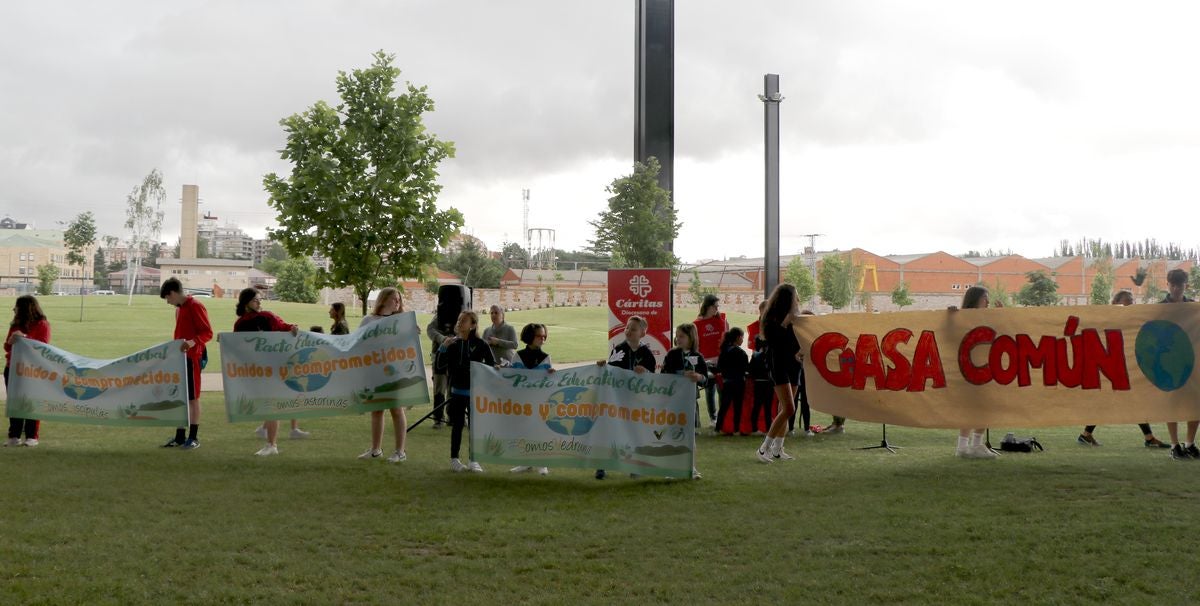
(654, 88)
(771, 100)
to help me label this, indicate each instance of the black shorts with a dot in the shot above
(785, 372)
(193, 379)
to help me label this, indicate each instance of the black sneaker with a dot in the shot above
(172, 443)
(1178, 453)
(190, 445)
(1192, 451)
(1156, 443)
(599, 474)
(1086, 440)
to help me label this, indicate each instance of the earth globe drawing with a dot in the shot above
(1165, 354)
(76, 391)
(306, 382)
(569, 426)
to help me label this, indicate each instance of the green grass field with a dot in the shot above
(102, 515)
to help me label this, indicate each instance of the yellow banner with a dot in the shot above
(1027, 367)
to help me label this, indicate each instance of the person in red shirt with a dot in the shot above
(30, 323)
(191, 325)
(253, 318)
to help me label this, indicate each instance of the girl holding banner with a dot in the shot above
(29, 323)
(785, 358)
(455, 356)
(631, 355)
(711, 328)
(970, 441)
(387, 303)
(685, 360)
(252, 318)
(337, 313)
(533, 358)
(1086, 438)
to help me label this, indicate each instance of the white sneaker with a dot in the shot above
(981, 451)
(521, 469)
(780, 454)
(397, 457)
(31, 442)
(810, 434)
(371, 453)
(764, 457)
(696, 474)
(12, 442)
(543, 471)
(261, 432)
(298, 434)
(476, 467)
(963, 452)
(457, 466)
(268, 450)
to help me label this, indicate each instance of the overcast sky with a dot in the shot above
(907, 126)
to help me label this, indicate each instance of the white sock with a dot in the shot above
(976, 439)
(963, 442)
(778, 445)
(766, 445)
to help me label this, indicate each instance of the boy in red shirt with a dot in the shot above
(191, 325)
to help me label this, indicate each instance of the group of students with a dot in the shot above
(776, 367)
(972, 443)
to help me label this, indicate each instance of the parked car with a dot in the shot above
(104, 292)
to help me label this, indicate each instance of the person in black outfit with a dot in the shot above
(454, 358)
(764, 387)
(631, 355)
(733, 364)
(785, 357)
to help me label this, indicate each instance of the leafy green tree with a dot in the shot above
(799, 274)
(79, 236)
(1102, 284)
(1041, 290)
(363, 187)
(143, 219)
(47, 275)
(514, 256)
(476, 269)
(432, 285)
(99, 265)
(837, 279)
(900, 296)
(1152, 292)
(296, 281)
(698, 290)
(998, 295)
(639, 222)
(1193, 285)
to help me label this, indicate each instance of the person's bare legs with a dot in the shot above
(272, 431)
(399, 426)
(376, 429)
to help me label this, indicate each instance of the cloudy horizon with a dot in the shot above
(906, 127)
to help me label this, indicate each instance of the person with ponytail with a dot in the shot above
(784, 357)
(28, 323)
(387, 303)
(251, 317)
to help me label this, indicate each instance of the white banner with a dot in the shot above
(141, 389)
(274, 375)
(590, 417)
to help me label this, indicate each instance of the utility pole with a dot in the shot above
(771, 100)
(812, 252)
